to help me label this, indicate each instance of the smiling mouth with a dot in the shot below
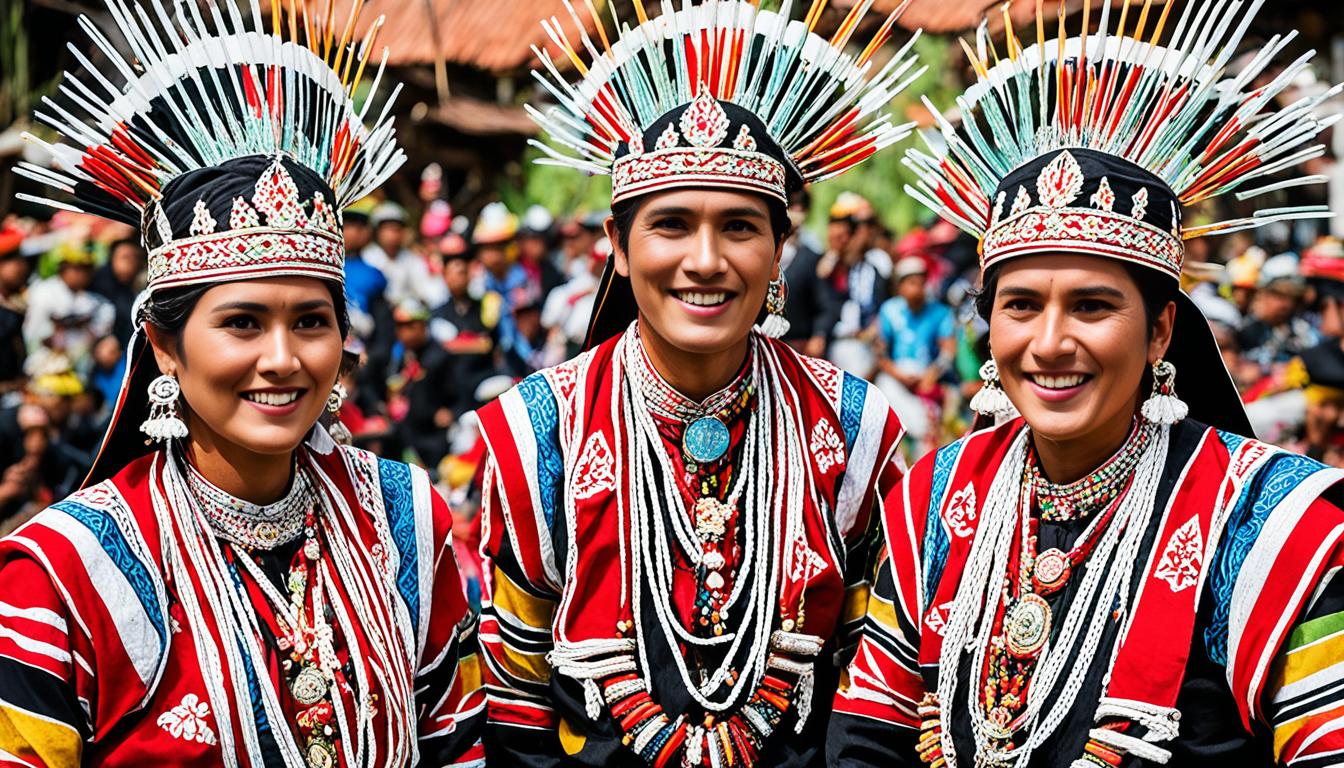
(703, 299)
(273, 398)
(1062, 381)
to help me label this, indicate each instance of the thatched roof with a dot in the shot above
(944, 16)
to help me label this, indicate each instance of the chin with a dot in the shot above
(1058, 426)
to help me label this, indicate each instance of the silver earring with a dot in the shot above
(775, 324)
(991, 400)
(1163, 406)
(163, 423)
(338, 431)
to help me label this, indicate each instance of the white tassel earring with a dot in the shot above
(1163, 406)
(991, 400)
(775, 324)
(338, 431)
(163, 423)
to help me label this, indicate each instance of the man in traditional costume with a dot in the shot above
(1179, 602)
(153, 618)
(668, 576)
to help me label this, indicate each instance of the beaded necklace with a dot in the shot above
(705, 436)
(1060, 503)
(253, 526)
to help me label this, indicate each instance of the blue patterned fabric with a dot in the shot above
(536, 394)
(1259, 496)
(399, 504)
(936, 543)
(853, 395)
(118, 549)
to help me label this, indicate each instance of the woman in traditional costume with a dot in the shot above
(675, 520)
(1115, 578)
(240, 591)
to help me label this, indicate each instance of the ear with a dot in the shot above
(617, 252)
(1162, 329)
(164, 345)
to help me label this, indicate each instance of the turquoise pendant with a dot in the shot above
(706, 440)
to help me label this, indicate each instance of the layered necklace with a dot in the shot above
(1029, 672)
(761, 673)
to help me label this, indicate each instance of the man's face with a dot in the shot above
(14, 273)
(358, 235)
(391, 237)
(126, 260)
(456, 276)
(77, 276)
(413, 334)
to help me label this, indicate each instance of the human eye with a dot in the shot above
(744, 226)
(240, 322)
(313, 321)
(668, 224)
(1093, 306)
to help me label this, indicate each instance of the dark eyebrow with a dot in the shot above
(261, 309)
(1098, 291)
(740, 212)
(668, 210)
(1020, 292)
(744, 212)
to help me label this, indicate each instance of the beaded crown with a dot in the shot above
(1093, 143)
(232, 147)
(720, 94)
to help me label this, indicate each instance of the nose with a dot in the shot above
(706, 259)
(1053, 337)
(279, 357)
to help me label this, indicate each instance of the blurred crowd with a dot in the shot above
(448, 311)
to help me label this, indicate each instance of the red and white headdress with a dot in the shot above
(232, 147)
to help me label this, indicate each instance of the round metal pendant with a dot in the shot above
(706, 440)
(320, 754)
(309, 686)
(1051, 571)
(1026, 628)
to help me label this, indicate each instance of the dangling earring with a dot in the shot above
(163, 423)
(1163, 406)
(991, 400)
(338, 431)
(775, 324)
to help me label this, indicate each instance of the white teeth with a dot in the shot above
(1059, 382)
(272, 398)
(702, 299)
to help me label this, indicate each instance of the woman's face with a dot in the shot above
(699, 262)
(256, 361)
(1071, 341)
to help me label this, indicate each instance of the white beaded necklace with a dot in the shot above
(1104, 587)
(767, 499)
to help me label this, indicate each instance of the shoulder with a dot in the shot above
(861, 410)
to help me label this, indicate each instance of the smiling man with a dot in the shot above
(676, 521)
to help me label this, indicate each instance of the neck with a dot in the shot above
(697, 375)
(1065, 461)
(250, 476)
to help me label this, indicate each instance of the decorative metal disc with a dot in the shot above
(1051, 571)
(309, 686)
(1026, 627)
(706, 440)
(320, 754)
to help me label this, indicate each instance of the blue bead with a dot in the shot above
(706, 440)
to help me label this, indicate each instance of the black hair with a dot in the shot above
(168, 310)
(127, 241)
(1157, 291)
(625, 211)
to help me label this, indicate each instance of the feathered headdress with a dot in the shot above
(233, 148)
(721, 94)
(1094, 143)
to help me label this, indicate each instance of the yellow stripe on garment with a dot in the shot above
(469, 674)
(1299, 664)
(856, 603)
(1284, 732)
(883, 611)
(531, 610)
(37, 739)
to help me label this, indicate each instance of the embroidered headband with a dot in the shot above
(721, 94)
(1092, 144)
(233, 149)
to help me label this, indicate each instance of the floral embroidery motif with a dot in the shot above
(961, 512)
(212, 257)
(1104, 197)
(998, 207)
(594, 473)
(1021, 202)
(277, 198)
(827, 447)
(1108, 234)
(1182, 557)
(162, 225)
(667, 140)
(805, 563)
(1061, 181)
(636, 175)
(1140, 203)
(243, 216)
(636, 144)
(744, 141)
(704, 123)
(187, 721)
(936, 620)
(828, 377)
(202, 223)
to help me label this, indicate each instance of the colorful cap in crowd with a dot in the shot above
(1093, 144)
(496, 225)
